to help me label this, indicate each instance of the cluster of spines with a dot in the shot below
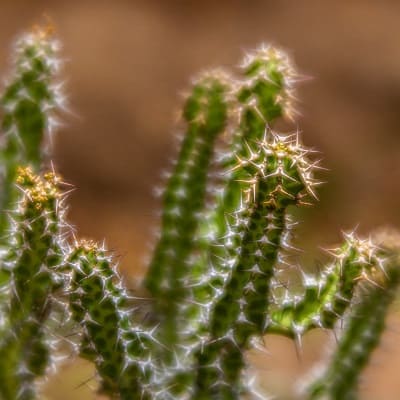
(29, 105)
(33, 263)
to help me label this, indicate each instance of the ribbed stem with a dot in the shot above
(263, 94)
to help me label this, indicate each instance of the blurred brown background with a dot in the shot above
(127, 61)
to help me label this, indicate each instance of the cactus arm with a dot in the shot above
(263, 95)
(28, 103)
(34, 256)
(99, 304)
(205, 116)
(325, 300)
(279, 177)
(363, 327)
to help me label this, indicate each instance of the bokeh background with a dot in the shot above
(127, 62)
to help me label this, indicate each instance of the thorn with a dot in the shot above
(298, 346)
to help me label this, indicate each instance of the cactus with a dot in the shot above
(213, 283)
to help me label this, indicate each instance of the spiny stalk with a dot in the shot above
(33, 261)
(264, 93)
(101, 306)
(364, 326)
(205, 118)
(278, 175)
(326, 299)
(29, 103)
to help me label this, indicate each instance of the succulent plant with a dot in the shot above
(214, 283)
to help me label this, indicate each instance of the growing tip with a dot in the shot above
(45, 30)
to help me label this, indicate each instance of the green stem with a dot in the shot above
(277, 176)
(99, 305)
(33, 260)
(263, 95)
(205, 116)
(325, 300)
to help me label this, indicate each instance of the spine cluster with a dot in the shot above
(213, 283)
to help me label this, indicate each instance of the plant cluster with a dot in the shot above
(216, 281)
